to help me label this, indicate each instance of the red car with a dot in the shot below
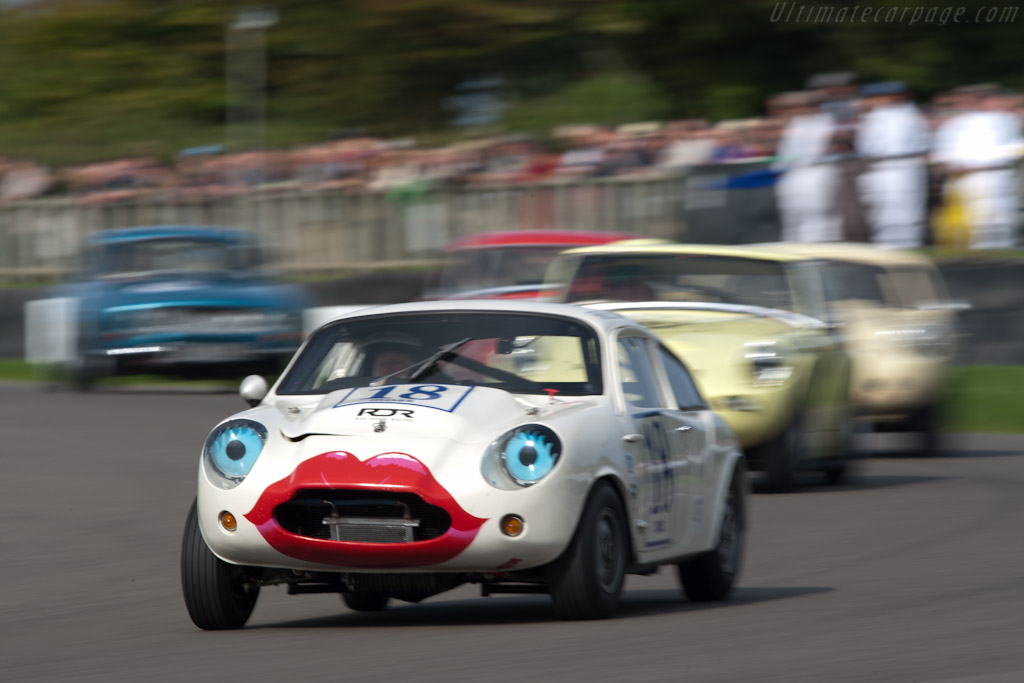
(508, 265)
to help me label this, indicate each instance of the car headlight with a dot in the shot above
(767, 362)
(231, 450)
(521, 457)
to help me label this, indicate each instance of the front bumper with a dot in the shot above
(893, 386)
(164, 355)
(474, 541)
(756, 414)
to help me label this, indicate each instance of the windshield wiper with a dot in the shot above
(420, 367)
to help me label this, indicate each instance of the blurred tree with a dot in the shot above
(85, 79)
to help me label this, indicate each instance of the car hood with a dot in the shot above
(712, 338)
(185, 289)
(466, 414)
(871, 329)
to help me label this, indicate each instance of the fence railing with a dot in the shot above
(334, 230)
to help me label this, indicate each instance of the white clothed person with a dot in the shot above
(685, 153)
(893, 139)
(982, 149)
(806, 190)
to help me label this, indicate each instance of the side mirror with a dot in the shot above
(252, 389)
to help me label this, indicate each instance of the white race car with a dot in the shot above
(408, 449)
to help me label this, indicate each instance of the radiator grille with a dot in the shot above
(361, 516)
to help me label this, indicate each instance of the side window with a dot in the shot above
(805, 281)
(683, 388)
(337, 363)
(636, 374)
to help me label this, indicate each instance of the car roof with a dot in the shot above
(169, 231)
(603, 321)
(533, 238)
(854, 252)
(641, 247)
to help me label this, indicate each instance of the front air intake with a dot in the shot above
(361, 516)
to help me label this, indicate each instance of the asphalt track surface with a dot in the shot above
(912, 571)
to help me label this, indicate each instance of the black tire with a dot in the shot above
(365, 602)
(83, 375)
(926, 423)
(218, 595)
(712, 575)
(781, 458)
(837, 468)
(586, 581)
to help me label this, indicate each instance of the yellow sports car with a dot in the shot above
(750, 325)
(900, 330)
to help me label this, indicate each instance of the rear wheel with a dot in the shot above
(218, 595)
(838, 468)
(365, 602)
(711, 576)
(586, 581)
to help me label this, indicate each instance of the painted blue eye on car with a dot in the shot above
(233, 447)
(530, 453)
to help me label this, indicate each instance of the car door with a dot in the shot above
(691, 422)
(661, 496)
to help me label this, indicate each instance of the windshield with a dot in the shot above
(177, 254)
(680, 277)
(503, 267)
(917, 286)
(899, 287)
(520, 353)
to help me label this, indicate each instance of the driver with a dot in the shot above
(384, 358)
(387, 362)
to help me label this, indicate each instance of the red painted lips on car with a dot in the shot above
(387, 472)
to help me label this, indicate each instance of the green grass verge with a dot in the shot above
(14, 370)
(985, 398)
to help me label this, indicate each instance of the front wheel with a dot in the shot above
(586, 581)
(711, 576)
(84, 373)
(837, 468)
(781, 458)
(218, 595)
(926, 423)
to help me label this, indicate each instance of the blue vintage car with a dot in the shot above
(182, 300)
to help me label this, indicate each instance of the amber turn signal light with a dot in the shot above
(228, 521)
(512, 525)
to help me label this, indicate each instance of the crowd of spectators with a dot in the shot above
(852, 162)
(367, 163)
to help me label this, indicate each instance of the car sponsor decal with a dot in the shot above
(398, 413)
(437, 396)
(398, 472)
(634, 489)
(658, 481)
